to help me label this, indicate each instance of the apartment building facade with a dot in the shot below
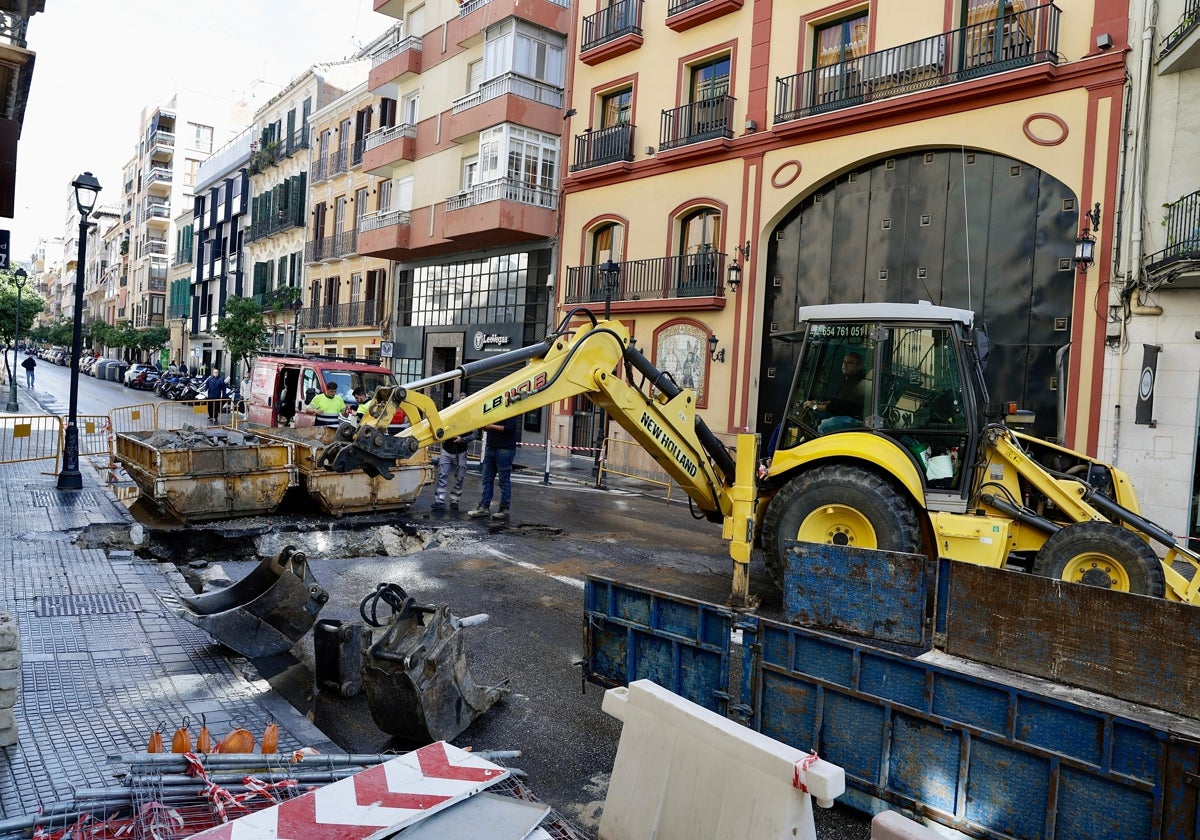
(347, 297)
(279, 192)
(469, 165)
(174, 138)
(733, 162)
(1149, 406)
(220, 214)
(179, 286)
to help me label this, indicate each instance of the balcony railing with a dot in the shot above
(621, 18)
(664, 278)
(375, 221)
(1183, 233)
(363, 313)
(605, 145)
(475, 5)
(699, 121)
(331, 247)
(156, 246)
(165, 139)
(298, 141)
(412, 42)
(339, 161)
(159, 174)
(320, 169)
(1189, 21)
(511, 83)
(504, 189)
(276, 222)
(177, 311)
(159, 285)
(981, 49)
(389, 133)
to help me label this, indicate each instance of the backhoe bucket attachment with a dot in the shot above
(416, 679)
(264, 613)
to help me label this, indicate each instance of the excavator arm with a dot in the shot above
(564, 365)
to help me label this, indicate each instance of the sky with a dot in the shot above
(100, 62)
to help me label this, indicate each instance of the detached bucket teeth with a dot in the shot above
(264, 613)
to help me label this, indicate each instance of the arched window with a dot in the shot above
(607, 243)
(699, 233)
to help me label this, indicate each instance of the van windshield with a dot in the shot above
(348, 380)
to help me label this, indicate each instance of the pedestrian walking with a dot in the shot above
(216, 389)
(452, 462)
(29, 364)
(499, 449)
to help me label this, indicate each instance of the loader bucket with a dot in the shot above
(416, 679)
(263, 614)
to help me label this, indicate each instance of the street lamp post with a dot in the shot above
(87, 188)
(296, 306)
(19, 279)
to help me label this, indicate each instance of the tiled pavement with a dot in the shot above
(103, 663)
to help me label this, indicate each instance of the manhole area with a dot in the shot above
(97, 603)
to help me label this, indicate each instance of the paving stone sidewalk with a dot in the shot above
(102, 663)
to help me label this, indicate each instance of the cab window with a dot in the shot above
(833, 390)
(310, 385)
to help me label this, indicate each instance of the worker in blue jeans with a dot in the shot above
(499, 449)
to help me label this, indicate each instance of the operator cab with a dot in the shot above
(892, 370)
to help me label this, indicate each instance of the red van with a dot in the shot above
(282, 385)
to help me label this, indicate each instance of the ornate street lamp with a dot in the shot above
(19, 278)
(87, 188)
(610, 278)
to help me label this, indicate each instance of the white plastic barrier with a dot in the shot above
(890, 825)
(685, 772)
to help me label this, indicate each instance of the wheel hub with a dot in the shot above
(1093, 569)
(840, 525)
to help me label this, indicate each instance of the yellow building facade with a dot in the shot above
(729, 162)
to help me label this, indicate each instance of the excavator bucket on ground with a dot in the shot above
(264, 613)
(416, 679)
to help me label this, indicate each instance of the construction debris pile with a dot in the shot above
(190, 437)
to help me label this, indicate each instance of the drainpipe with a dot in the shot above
(1138, 179)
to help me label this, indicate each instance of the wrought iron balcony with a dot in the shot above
(277, 221)
(704, 120)
(297, 141)
(621, 18)
(363, 313)
(376, 221)
(981, 49)
(1183, 235)
(320, 169)
(605, 145)
(1189, 22)
(331, 247)
(663, 278)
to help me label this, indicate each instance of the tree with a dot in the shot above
(242, 329)
(31, 305)
(153, 339)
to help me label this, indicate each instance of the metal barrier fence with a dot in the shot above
(25, 437)
(95, 434)
(629, 460)
(133, 418)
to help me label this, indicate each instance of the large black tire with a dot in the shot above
(838, 505)
(1102, 554)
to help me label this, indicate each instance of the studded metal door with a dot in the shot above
(898, 229)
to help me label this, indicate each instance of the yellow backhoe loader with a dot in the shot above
(888, 441)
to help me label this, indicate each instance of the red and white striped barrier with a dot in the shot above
(374, 803)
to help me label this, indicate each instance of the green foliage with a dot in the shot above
(61, 333)
(153, 338)
(31, 305)
(242, 329)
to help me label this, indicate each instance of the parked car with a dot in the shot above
(132, 372)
